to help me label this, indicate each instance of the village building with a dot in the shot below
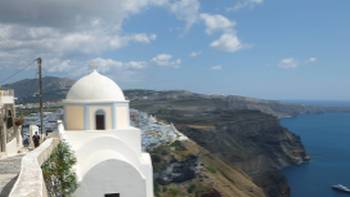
(10, 138)
(110, 160)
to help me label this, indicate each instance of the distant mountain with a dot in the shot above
(190, 101)
(54, 89)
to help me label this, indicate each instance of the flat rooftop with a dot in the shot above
(7, 92)
(7, 97)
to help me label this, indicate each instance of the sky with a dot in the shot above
(272, 49)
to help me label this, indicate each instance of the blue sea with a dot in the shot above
(326, 138)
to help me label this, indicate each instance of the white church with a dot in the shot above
(110, 161)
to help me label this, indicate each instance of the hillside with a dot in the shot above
(190, 101)
(54, 89)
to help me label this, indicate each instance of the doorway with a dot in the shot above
(100, 120)
(112, 195)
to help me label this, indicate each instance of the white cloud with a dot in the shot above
(288, 63)
(292, 63)
(57, 65)
(217, 23)
(166, 60)
(227, 42)
(72, 15)
(186, 10)
(142, 38)
(124, 71)
(246, 4)
(194, 54)
(217, 67)
(105, 65)
(110, 65)
(311, 60)
(75, 30)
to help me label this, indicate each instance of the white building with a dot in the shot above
(10, 138)
(110, 161)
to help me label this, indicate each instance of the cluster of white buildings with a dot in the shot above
(50, 121)
(154, 132)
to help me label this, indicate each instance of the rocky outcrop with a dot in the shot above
(183, 168)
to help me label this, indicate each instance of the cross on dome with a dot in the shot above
(93, 65)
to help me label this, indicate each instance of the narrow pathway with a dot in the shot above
(9, 169)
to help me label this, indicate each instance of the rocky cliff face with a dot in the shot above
(251, 140)
(248, 139)
(183, 168)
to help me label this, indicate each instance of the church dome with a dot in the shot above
(95, 88)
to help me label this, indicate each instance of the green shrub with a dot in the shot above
(211, 169)
(191, 188)
(60, 178)
(178, 146)
(174, 191)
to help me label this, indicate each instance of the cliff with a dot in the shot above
(247, 139)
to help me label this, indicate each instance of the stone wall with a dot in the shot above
(30, 182)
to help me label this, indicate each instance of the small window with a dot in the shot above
(112, 195)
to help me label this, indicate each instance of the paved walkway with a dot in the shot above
(9, 169)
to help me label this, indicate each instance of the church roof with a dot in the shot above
(95, 87)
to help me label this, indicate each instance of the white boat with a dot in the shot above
(341, 188)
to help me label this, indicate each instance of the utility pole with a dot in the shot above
(39, 61)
